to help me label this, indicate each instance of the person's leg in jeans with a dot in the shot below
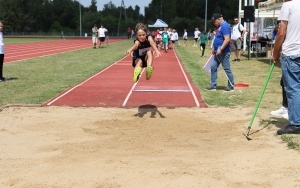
(224, 58)
(291, 80)
(214, 72)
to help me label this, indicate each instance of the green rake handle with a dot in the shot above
(261, 95)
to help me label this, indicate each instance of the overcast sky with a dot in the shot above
(100, 3)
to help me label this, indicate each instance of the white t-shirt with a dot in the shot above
(196, 34)
(236, 31)
(290, 12)
(174, 36)
(2, 47)
(185, 35)
(101, 32)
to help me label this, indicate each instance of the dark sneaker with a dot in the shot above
(235, 60)
(228, 89)
(210, 89)
(290, 129)
(2, 79)
(238, 60)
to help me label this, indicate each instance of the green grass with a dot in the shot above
(252, 72)
(37, 80)
(27, 40)
(293, 142)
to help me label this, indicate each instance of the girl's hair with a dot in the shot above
(1, 21)
(141, 26)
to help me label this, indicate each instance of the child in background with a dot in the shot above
(185, 35)
(141, 53)
(165, 39)
(196, 36)
(2, 79)
(174, 38)
(203, 39)
(94, 36)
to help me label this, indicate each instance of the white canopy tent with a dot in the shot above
(266, 15)
(159, 23)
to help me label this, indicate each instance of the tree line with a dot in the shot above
(54, 16)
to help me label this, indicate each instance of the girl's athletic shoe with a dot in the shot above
(149, 72)
(136, 74)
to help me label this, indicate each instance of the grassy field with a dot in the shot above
(37, 80)
(29, 39)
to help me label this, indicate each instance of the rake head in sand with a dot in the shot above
(258, 102)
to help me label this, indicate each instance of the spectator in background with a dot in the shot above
(287, 49)
(275, 30)
(94, 36)
(203, 40)
(129, 33)
(174, 38)
(221, 53)
(101, 34)
(165, 39)
(209, 37)
(237, 36)
(213, 37)
(2, 47)
(185, 36)
(196, 36)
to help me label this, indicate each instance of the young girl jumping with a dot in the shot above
(141, 53)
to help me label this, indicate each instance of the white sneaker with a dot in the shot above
(282, 110)
(285, 116)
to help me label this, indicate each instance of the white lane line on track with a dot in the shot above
(188, 82)
(162, 90)
(131, 90)
(190, 90)
(68, 91)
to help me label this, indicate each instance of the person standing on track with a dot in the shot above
(2, 46)
(94, 35)
(101, 35)
(142, 55)
(165, 39)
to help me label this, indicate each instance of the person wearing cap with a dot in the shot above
(221, 52)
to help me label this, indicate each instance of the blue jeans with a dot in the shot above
(224, 59)
(290, 66)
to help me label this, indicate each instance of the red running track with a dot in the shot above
(23, 51)
(169, 86)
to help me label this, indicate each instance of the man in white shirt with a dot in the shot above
(237, 35)
(287, 49)
(101, 35)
